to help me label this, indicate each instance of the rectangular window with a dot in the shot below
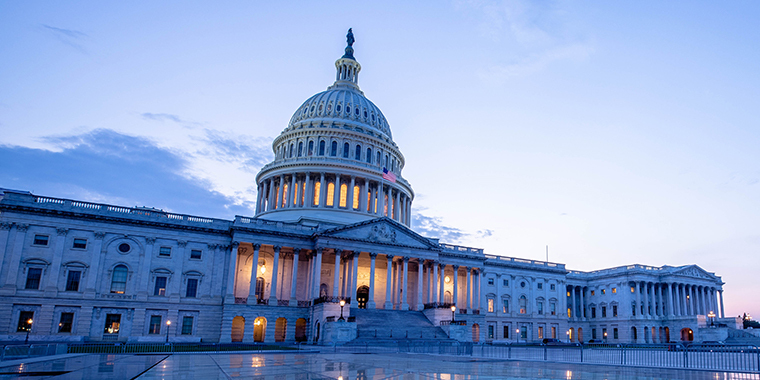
(160, 288)
(604, 311)
(505, 282)
(192, 287)
(632, 289)
(24, 319)
(165, 251)
(113, 322)
(554, 332)
(524, 332)
(552, 287)
(614, 310)
(72, 281)
(195, 254)
(155, 324)
(540, 285)
(593, 312)
(79, 244)
(604, 291)
(41, 240)
(505, 306)
(593, 333)
(615, 333)
(553, 308)
(540, 307)
(506, 332)
(569, 313)
(592, 292)
(66, 322)
(540, 332)
(490, 281)
(490, 331)
(490, 305)
(614, 290)
(604, 334)
(187, 325)
(33, 276)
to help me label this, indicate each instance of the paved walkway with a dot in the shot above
(306, 366)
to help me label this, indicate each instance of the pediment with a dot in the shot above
(694, 271)
(381, 231)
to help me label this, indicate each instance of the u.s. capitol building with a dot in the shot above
(332, 223)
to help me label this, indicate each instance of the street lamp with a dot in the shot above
(517, 334)
(453, 310)
(28, 328)
(168, 323)
(568, 336)
(342, 303)
(605, 337)
(711, 315)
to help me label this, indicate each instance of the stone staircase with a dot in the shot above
(378, 325)
(742, 337)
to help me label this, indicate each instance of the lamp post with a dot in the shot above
(605, 337)
(168, 323)
(453, 310)
(517, 334)
(342, 303)
(568, 336)
(28, 328)
(711, 315)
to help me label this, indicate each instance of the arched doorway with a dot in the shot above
(280, 328)
(300, 330)
(476, 333)
(238, 329)
(323, 290)
(260, 284)
(687, 335)
(362, 295)
(667, 335)
(580, 335)
(447, 297)
(634, 335)
(646, 334)
(316, 333)
(570, 336)
(259, 329)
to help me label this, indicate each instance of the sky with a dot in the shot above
(614, 133)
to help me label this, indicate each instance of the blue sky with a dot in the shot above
(614, 132)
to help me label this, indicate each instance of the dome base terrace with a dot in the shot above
(317, 216)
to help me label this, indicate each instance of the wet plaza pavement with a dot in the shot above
(303, 366)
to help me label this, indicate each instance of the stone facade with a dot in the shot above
(331, 223)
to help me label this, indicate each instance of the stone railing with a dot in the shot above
(516, 260)
(378, 170)
(242, 300)
(272, 224)
(461, 249)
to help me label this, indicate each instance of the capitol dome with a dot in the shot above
(336, 161)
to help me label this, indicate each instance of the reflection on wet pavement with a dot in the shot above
(307, 366)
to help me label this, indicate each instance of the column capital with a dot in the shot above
(441, 265)
(296, 251)
(456, 267)
(373, 255)
(5, 226)
(469, 269)
(277, 249)
(211, 246)
(148, 240)
(338, 251)
(406, 259)
(182, 243)
(235, 244)
(62, 231)
(256, 246)
(319, 250)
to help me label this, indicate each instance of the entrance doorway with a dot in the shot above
(259, 329)
(362, 295)
(687, 335)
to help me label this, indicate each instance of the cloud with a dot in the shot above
(250, 153)
(485, 233)
(69, 37)
(162, 117)
(431, 227)
(108, 167)
(537, 62)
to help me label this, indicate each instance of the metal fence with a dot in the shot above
(19, 351)
(139, 348)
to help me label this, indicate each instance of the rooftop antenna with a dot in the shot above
(547, 253)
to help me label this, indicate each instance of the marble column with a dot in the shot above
(574, 309)
(336, 192)
(441, 276)
(583, 302)
(336, 274)
(468, 304)
(354, 278)
(371, 303)
(380, 200)
(275, 268)
(294, 282)
(388, 284)
(280, 193)
(350, 194)
(420, 270)
(322, 191)
(232, 272)
(720, 296)
(308, 193)
(405, 285)
(455, 293)
(669, 301)
(317, 276)
(270, 198)
(637, 309)
(254, 274)
(435, 282)
(292, 192)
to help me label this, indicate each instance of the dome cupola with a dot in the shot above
(336, 161)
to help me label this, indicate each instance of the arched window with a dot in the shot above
(369, 155)
(393, 165)
(334, 149)
(291, 151)
(523, 305)
(300, 330)
(300, 149)
(378, 158)
(238, 329)
(317, 186)
(119, 279)
(284, 195)
(260, 283)
(311, 148)
(280, 326)
(386, 161)
(322, 148)
(358, 155)
(330, 194)
(346, 148)
(357, 191)
(343, 195)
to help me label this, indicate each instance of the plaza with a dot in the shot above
(344, 366)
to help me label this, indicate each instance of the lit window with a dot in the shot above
(165, 251)
(41, 240)
(317, 186)
(357, 191)
(192, 288)
(540, 332)
(554, 332)
(187, 325)
(568, 294)
(330, 194)
(195, 254)
(160, 288)
(505, 307)
(72, 281)
(490, 305)
(33, 276)
(523, 305)
(343, 195)
(66, 322)
(614, 290)
(79, 244)
(23, 321)
(113, 323)
(155, 324)
(284, 195)
(604, 291)
(592, 292)
(632, 289)
(569, 313)
(295, 194)
(119, 279)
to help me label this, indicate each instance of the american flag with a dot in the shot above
(389, 175)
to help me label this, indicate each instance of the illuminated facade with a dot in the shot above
(331, 223)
